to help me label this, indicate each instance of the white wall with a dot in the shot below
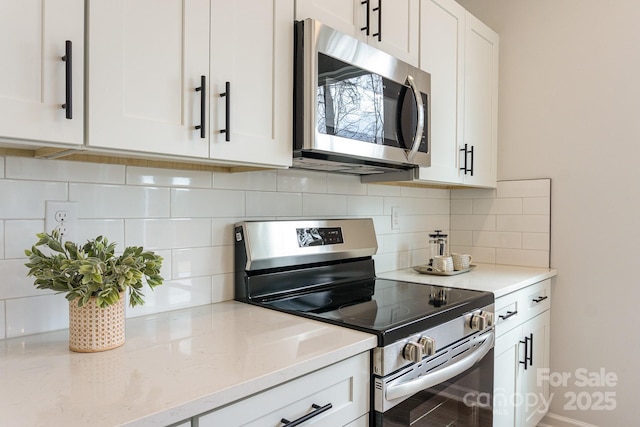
(570, 110)
(186, 217)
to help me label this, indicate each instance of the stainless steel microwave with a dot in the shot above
(357, 110)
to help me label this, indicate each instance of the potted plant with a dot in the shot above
(95, 281)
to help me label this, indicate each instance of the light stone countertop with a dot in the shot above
(174, 365)
(496, 278)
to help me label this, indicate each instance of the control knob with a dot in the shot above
(415, 351)
(481, 321)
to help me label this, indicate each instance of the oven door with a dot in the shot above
(452, 388)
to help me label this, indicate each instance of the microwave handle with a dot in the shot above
(439, 376)
(420, 128)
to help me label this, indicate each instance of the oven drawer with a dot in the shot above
(344, 385)
(517, 307)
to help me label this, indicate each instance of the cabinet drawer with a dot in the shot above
(517, 307)
(344, 385)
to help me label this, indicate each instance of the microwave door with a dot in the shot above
(410, 113)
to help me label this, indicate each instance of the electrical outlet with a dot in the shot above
(395, 218)
(62, 216)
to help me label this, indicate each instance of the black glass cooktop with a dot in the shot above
(388, 308)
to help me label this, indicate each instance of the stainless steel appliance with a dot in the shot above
(433, 365)
(357, 109)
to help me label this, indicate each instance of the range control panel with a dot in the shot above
(313, 236)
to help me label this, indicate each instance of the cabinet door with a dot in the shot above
(537, 329)
(33, 76)
(481, 101)
(252, 49)
(146, 59)
(442, 55)
(507, 355)
(398, 23)
(346, 16)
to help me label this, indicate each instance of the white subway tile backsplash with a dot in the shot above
(294, 180)
(461, 238)
(536, 206)
(425, 207)
(444, 206)
(195, 262)
(2, 244)
(261, 204)
(462, 206)
(112, 229)
(43, 313)
(151, 177)
(479, 254)
(536, 241)
(473, 193)
(26, 199)
(365, 205)
(2, 323)
(405, 204)
(383, 190)
(14, 282)
(497, 239)
(173, 295)
(168, 233)
(345, 184)
(414, 192)
(522, 257)
(497, 206)
(320, 205)
(222, 287)
(64, 170)
(257, 180)
(222, 231)
(199, 203)
(392, 261)
(20, 235)
(119, 201)
(524, 223)
(473, 222)
(524, 188)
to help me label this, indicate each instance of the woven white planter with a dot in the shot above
(93, 329)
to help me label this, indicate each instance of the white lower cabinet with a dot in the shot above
(521, 395)
(344, 386)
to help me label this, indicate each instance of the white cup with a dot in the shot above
(442, 263)
(461, 261)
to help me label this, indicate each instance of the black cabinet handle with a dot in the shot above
(539, 299)
(67, 58)
(227, 106)
(526, 351)
(467, 151)
(203, 102)
(317, 411)
(508, 315)
(531, 349)
(379, 10)
(368, 19)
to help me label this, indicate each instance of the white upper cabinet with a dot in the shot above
(252, 49)
(145, 60)
(391, 26)
(461, 53)
(442, 55)
(35, 82)
(481, 102)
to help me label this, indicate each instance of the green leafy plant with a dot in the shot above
(92, 269)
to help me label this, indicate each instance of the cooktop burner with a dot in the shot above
(391, 309)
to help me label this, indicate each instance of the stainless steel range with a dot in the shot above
(434, 361)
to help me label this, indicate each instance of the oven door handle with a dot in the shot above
(420, 127)
(437, 377)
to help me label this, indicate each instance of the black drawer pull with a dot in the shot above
(67, 58)
(317, 411)
(379, 10)
(366, 27)
(540, 299)
(508, 315)
(227, 106)
(203, 103)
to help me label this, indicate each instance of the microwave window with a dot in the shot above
(357, 104)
